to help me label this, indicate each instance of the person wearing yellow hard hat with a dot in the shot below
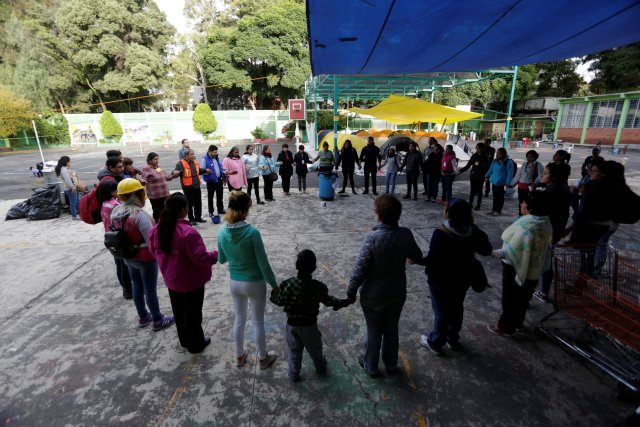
(131, 218)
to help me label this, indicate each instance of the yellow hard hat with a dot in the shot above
(129, 185)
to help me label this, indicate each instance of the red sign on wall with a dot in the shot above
(297, 109)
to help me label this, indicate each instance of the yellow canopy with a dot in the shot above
(357, 142)
(404, 110)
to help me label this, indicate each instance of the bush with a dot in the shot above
(325, 120)
(258, 133)
(203, 120)
(110, 128)
(53, 129)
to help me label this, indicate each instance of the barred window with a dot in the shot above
(606, 114)
(573, 115)
(633, 116)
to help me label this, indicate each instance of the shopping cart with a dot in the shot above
(597, 310)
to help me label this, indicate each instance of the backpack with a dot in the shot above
(90, 207)
(118, 243)
(628, 211)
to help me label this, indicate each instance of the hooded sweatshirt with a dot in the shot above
(241, 245)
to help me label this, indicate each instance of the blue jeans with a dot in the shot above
(74, 202)
(448, 309)
(447, 186)
(144, 283)
(382, 332)
(390, 179)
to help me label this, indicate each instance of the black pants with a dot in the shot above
(370, 170)
(157, 205)
(286, 183)
(487, 188)
(476, 190)
(187, 310)
(515, 299)
(255, 183)
(522, 194)
(215, 188)
(347, 175)
(302, 182)
(425, 182)
(268, 187)
(498, 198)
(412, 181)
(194, 202)
(434, 182)
(123, 275)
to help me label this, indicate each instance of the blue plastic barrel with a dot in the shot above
(327, 179)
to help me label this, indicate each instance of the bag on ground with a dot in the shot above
(19, 210)
(44, 203)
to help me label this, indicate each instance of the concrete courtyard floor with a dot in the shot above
(72, 354)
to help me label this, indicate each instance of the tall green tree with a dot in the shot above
(616, 70)
(265, 56)
(559, 78)
(117, 47)
(15, 113)
(109, 126)
(203, 120)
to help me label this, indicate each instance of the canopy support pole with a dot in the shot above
(433, 94)
(507, 127)
(335, 116)
(315, 115)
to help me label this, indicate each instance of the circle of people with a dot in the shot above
(167, 240)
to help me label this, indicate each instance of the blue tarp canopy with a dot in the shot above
(419, 36)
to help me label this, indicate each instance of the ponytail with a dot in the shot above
(64, 161)
(168, 220)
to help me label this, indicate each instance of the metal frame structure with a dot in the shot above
(376, 87)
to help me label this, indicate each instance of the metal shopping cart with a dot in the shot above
(597, 310)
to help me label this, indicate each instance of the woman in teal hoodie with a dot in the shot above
(241, 245)
(500, 173)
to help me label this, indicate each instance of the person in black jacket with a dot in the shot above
(448, 266)
(411, 163)
(559, 198)
(595, 154)
(425, 175)
(348, 157)
(490, 152)
(370, 155)
(433, 168)
(479, 165)
(285, 159)
(301, 159)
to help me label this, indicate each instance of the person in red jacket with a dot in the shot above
(143, 269)
(185, 264)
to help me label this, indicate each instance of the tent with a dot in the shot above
(405, 110)
(327, 136)
(408, 36)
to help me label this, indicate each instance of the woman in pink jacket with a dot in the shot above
(185, 264)
(235, 170)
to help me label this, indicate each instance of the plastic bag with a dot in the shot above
(19, 210)
(45, 203)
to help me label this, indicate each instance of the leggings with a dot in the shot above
(255, 183)
(348, 175)
(242, 293)
(302, 182)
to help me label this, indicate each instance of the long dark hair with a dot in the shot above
(168, 219)
(64, 161)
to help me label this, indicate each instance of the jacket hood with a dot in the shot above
(238, 230)
(461, 231)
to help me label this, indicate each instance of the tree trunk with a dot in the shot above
(203, 82)
(61, 105)
(252, 101)
(102, 104)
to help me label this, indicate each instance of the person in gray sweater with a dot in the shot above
(411, 164)
(379, 273)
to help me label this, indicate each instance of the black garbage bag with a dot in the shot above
(45, 203)
(19, 210)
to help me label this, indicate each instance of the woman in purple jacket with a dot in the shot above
(185, 264)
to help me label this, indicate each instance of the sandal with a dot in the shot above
(241, 360)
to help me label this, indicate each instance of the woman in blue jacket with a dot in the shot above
(500, 173)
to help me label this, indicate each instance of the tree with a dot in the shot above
(265, 56)
(117, 47)
(559, 78)
(203, 120)
(325, 120)
(15, 113)
(109, 126)
(53, 129)
(616, 70)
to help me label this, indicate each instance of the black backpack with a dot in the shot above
(118, 243)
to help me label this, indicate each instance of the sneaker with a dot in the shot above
(424, 193)
(425, 343)
(126, 294)
(441, 202)
(321, 370)
(415, 198)
(391, 370)
(407, 197)
(268, 360)
(496, 214)
(496, 330)
(241, 360)
(489, 213)
(206, 342)
(261, 202)
(193, 223)
(165, 322)
(375, 193)
(341, 192)
(365, 192)
(144, 322)
(373, 374)
(75, 218)
(455, 346)
(477, 208)
(222, 212)
(295, 378)
(541, 295)
(354, 191)
(200, 220)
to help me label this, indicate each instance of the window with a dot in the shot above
(633, 116)
(606, 114)
(573, 115)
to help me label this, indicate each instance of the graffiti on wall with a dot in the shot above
(82, 134)
(137, 134)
